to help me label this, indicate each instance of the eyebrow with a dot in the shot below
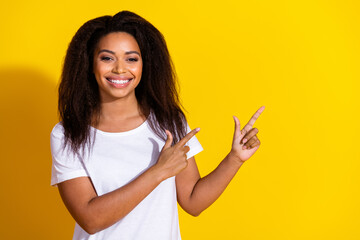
(126, 53)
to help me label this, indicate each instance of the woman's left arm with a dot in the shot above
(194, 193)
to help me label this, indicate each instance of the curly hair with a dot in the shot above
(79, 98)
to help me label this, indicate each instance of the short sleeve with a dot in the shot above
(194, 144)
(65, 164)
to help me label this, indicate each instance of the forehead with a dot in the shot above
(118, 41)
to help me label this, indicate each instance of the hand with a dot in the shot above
(173, 159)
(245, 142)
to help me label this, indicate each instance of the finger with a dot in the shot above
(237, 127)
(253, 145)
(250, 142)
(249, 135)
(169, 139)
(188, 136)
(251, 122)
(186, 149)
(256, 144)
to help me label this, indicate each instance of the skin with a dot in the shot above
(114, 57)
(118, 55)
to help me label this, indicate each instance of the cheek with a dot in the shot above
(140, 68)
(137, 69)
(101, 69)
(98, 73)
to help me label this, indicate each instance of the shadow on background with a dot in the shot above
(31, 208)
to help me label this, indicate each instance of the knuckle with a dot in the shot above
(186, 149)
(249, 142)
(257, 143)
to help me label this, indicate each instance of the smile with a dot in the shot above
(119, 83)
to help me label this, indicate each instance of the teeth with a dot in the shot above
(119, 81)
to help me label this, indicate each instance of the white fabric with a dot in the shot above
(117, 159)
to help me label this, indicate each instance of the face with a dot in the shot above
(117, 66)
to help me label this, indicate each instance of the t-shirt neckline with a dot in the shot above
(126, 133)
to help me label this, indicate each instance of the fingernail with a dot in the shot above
(244, 147)
(197, 129)
(244, 141)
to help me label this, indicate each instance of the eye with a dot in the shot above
(133, 59)
(105, 58)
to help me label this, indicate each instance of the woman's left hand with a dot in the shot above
(245, 142)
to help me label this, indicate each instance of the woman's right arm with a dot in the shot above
(95, 213)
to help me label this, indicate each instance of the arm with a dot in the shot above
(195, 194)
(95, 213)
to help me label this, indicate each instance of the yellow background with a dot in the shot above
(298, 58)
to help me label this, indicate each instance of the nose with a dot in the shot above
(119, 67)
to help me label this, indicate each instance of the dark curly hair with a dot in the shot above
(79, 99)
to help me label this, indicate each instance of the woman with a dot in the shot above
(123, 152)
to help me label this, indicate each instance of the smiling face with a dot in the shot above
(117, 66)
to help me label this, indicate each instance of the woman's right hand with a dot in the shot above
(173, 159)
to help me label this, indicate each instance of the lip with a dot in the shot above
(119, 81)
(115, 77)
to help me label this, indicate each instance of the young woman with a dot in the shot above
(123, 154)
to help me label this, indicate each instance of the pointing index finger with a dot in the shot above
(187, 137)
(251, 122)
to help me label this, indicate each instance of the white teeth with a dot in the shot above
(119, 81)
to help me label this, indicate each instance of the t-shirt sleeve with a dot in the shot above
(194, 144)
(65, 164)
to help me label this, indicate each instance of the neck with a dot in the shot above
(119, 115)
(120, 109)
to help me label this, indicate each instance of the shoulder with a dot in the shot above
(58, 130)
(57, 135)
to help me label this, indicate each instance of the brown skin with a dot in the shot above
(120, 112)
(94, 213)
(194, 193)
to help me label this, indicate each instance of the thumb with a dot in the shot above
(169, 140)
(237, 131)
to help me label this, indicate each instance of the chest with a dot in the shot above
(117, 160)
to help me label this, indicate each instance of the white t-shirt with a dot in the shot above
(116, 159)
